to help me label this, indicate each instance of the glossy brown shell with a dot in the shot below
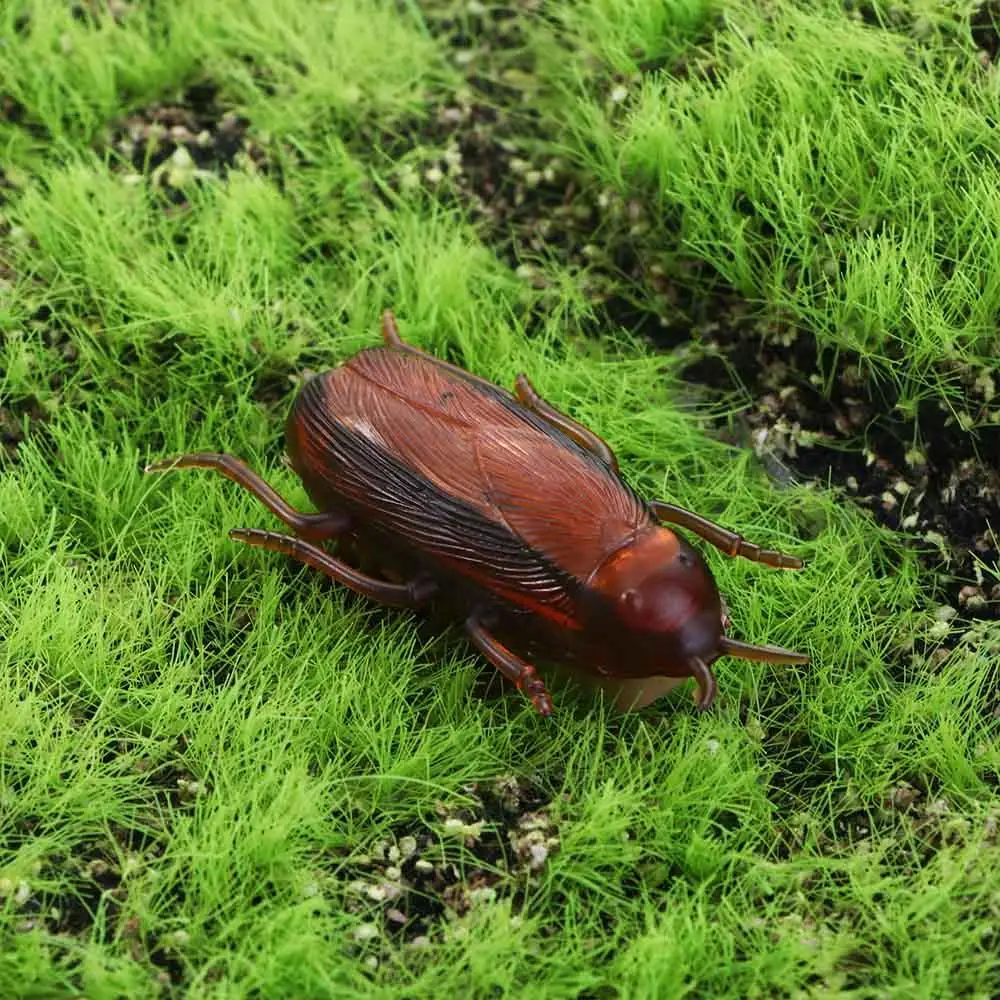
(463, 473)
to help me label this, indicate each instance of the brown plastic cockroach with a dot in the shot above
(506, 513)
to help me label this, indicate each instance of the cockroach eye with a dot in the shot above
(632, 599)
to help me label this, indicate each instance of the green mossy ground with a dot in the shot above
(222, 777)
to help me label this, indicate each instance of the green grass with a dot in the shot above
(200, 745)
(840, 175)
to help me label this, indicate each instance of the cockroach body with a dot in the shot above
(505, 512)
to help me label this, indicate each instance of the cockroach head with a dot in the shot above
(664, 597)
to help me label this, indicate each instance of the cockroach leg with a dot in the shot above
(390, 331)
(390, 334)
(706, 683)
(519, 671)
(583, 436)
(400, 595)
(315, 527)
(729, 542)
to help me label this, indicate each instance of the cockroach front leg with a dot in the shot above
(315, 527)
(516, 670)
(583, 436)
(729, 542)
(399, 595)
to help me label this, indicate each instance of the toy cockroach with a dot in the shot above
(506, 513)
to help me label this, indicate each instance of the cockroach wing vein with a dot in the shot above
(405, 504)
(573, 510)
(559, 499)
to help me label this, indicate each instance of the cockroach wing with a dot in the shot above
(397, 499)
(566, 505)
(496, 454)
(465, 474)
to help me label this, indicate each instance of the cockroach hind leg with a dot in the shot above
(707, 687)
(398, 595)
(319, 527)
(165, 464)
(390, 329)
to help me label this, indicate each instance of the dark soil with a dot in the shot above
(172, 143)
(985, 25)
(928, 478)
(95, 894)
(486, 150)
(408, 886)
(93, 878)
